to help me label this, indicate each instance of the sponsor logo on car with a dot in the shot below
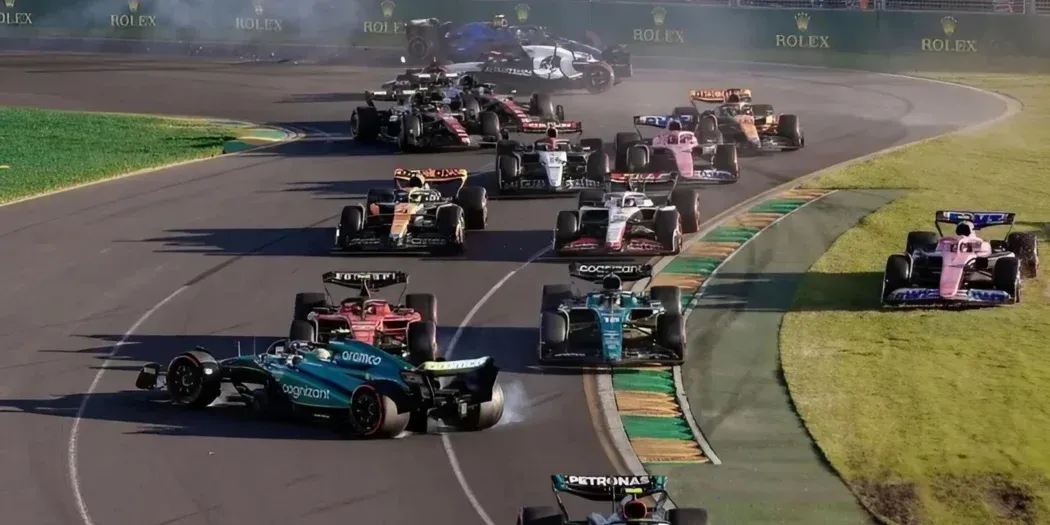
(610, 268)
(608, 481)
(361, 358)
(507, 71)
(915, 294)
(990, 296)
(425, 241)
(525, 184)
(296, 391)
(454, 365)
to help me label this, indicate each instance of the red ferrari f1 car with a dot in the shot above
(407, 329)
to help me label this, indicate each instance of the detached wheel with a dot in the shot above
(1026, 247)
(194, 380)
(375, 415)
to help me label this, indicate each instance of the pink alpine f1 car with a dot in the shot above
(675, 150)
(961, 268)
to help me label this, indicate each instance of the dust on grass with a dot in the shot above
(49, 150)
(925, 398)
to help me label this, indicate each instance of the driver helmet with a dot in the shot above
(674, 125)
(499, 21)
(417, 181)
(629, 203)
(552, 132)
(611, 283)
(964, 229)
(466, 82)
(323, 354)
(733, 98)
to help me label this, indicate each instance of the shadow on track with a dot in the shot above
(484, 245)
(307, 98)
(775, 292)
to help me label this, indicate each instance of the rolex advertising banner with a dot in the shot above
(647, 28)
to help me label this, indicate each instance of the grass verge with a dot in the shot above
(46, 150)
(936, 416)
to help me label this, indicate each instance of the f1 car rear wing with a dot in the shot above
(720, 96)
(483, 371)
(365, 281)
(395, 94)
(980, 219)
(658, 121)
(431, 176)
(541, 126)
(603, 488)
(596, 271)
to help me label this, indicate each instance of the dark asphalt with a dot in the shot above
(245, 233)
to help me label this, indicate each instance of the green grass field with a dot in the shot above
(936, 416)
(47, 150)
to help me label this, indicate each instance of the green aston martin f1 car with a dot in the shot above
(361, 388)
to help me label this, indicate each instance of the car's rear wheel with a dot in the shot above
(1026, 247)
(483, 415)
(374, 415)
(425, 304)
(421, 342)
(302, 331)
(306, 302)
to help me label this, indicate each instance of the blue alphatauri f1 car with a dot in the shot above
(611, 326)
(359, 387)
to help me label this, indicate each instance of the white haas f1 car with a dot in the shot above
(675, 150)
(550, 165)
(628, 222)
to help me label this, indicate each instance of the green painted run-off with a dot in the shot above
(659, 381)
(730, 234)
(781, 206)
(693, 265)
(656, 427)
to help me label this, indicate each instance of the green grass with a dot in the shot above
(937, 417)
(49, 150)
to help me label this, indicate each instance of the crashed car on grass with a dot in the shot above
(420, 119)
(675, 150)
(611, 326)
(358, 387)
(634, 499)
(414, 216)
(404, 328)
(628, 222)
(961, 269)
(550, 165)
(754, 128)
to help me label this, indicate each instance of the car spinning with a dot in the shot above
(611, 326)
(414, 216)
(356, 386)
(626, 494)
(402, 328)
(628, 222)
(961, 268)
(550, 165)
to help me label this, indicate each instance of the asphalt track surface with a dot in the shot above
(245, 233)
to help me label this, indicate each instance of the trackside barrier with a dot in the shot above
(649, 28)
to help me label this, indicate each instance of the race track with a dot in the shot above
(235, 238)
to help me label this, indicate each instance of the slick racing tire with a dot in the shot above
(306, 302)
(364, 124)
(418, 48)
(789, 128)
(421, 341)
(474, 201)
(541, 105)
(374, 415)
(624, 140)
(194, 379)
(1006, 277)
(566, 229)
(411, 130)
(351, 220)
(922, 241)
(593, 144)
(508, 168)
(425, 304)
(1025, 246)
(590, 197)
(553, 296)
(896, 276)
(483, 415)
(489, 123)
(669, 231)
(637, 158)
(597, 167)
(507, 147)
(687, 202)
(669, 296)
(302, 331)
(599, 77)
(539, 516)
(670, 333)
(727, 159)
(681, 516)
(470, 107)
(451, 224)
(554, 334)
